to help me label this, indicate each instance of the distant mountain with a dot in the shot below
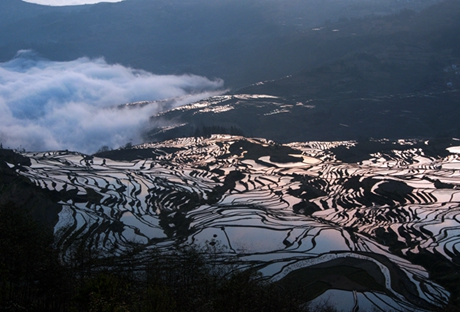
(13, 11)
(240, 41)
(394, 76)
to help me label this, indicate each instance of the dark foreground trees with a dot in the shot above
(33, 277)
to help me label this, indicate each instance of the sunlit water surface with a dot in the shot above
(281, 215)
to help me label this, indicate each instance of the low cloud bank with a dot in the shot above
(47, 105)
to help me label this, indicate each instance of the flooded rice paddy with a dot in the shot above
(359, 232)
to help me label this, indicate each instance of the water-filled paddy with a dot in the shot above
(393, 209)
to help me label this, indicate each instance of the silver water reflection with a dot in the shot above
(280, 208)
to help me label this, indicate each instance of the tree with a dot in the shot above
(103, 149)
(31, 276)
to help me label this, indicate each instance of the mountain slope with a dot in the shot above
(390, 77)
(239, 41)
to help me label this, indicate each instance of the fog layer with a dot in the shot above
(47, 105)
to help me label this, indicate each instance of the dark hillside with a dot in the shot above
(41, 205)
(393, 77)
(239, 41)
(407, 52)
(13, 11)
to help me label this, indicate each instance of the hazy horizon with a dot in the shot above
(68, 2)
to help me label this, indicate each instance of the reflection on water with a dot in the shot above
(281, 208)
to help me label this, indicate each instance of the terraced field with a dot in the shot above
(362, 225)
